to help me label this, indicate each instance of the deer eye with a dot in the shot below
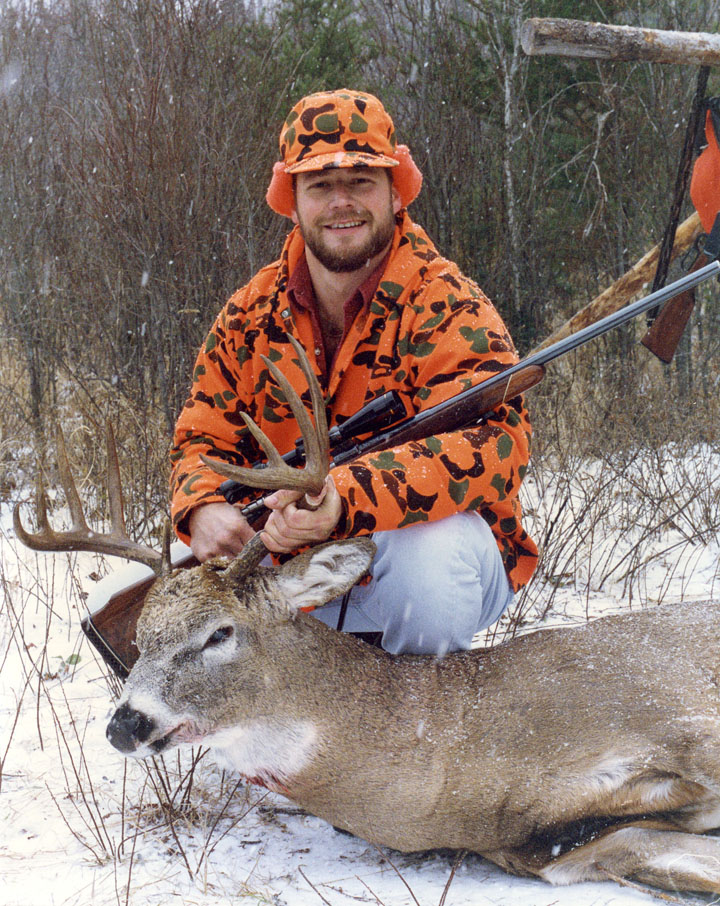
(218, 637)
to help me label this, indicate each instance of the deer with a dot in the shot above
(573, 754)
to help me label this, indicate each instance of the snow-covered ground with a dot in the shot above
(79, 824)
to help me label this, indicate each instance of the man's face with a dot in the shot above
(346, 215)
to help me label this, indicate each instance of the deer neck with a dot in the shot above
(291, 739)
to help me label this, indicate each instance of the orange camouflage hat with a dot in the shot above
(339, 129)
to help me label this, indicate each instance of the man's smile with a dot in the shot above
(346, 216)
(345, 225)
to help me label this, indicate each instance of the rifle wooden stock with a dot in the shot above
(663, 335)
(469, 411)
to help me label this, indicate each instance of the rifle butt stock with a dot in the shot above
(663, 335)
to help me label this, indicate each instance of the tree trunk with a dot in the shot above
(623, 289)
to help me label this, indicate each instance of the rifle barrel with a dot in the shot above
(485, 396)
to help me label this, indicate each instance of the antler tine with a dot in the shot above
(166, 564)
(317, 441)
(278, 474)
(68, 483)
(249, 558)
(81, 538)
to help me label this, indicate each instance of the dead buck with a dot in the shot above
(571, 754)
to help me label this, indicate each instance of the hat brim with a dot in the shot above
(407, 179)
(339, 159)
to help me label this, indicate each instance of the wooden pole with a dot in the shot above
(594, 40)
(623, 289)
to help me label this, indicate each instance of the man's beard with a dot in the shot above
(344, 261)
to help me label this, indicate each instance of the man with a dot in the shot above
(375, 306)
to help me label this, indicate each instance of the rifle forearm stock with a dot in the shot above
(461, 411)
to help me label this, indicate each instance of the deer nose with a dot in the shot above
(128, 728)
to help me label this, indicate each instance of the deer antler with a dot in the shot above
(115, 543)
(278, 474)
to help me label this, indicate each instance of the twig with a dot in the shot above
(207, 850)
(82, 776)
(459, 857)
(92, 816)
(72, 830)
(369, 888)
(394, 868)
(122, 807)
(188, 779)
(134, 843)
(308, 881)
(13, 728)
(167, 810)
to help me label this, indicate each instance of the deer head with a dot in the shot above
(205, 633)
(213, 642)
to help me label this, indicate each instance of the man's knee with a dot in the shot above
(435, 585)
(460, 548)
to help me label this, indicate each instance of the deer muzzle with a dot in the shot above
(129, 729)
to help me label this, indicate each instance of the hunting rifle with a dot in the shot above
(110, 622)
(466, 408)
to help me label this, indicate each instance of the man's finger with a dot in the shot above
(278, 500)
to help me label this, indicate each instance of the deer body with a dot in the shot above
(505, 752)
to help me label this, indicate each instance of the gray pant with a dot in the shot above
(434, 585)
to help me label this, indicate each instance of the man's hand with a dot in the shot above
(218, 529)
(290, 527)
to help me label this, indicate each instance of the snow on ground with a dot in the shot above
(80, 824)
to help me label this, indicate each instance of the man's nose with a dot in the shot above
(341, 196)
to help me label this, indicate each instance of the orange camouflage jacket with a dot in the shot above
(429, 333)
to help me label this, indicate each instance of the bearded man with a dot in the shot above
(376, 308)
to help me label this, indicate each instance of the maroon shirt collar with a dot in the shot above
(301, 294)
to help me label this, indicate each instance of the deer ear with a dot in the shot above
(321, 574)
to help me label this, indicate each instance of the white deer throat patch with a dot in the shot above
(266, 752)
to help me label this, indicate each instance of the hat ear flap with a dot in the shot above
(407, 178)
(280, 191)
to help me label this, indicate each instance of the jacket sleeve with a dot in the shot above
(209, 423)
